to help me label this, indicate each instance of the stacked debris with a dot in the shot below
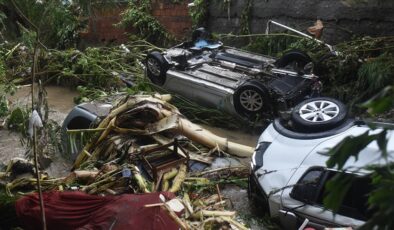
(145, 145)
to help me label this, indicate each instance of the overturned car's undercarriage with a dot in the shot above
(233, 80)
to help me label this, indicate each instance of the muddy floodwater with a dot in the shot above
(60, 101)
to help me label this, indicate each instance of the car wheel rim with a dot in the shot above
(154, 67)
(319, 111)
(251, 100)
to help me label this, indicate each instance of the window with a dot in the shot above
(311, 189)
(355, 202)
(307, 188)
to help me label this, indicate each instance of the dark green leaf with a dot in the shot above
(336, 190)
(381, 102)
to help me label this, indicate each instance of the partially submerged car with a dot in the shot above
(80, 117)
(233, 80)
(289, 172)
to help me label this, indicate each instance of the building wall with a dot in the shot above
(375, 18)
(174, 17)
(102, 29)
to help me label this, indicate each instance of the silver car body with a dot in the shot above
(211, 85)
(287, 159)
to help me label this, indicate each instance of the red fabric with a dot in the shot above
(77, 210)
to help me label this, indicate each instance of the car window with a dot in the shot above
(355, 203)
(307, 188)
(311, 189)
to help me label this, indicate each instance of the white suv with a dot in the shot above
(289, 173)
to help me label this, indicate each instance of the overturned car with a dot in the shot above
(289, 174)
(233, 80)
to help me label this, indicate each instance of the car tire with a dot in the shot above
(296, 58)
(318, 114)
(251, 99)
(156, 68)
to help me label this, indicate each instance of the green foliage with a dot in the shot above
(273, 45)
(380, 103)
(96, 67)
(18, 120)
(377, 73)
(138, 14)
(3, 17)
(341, 183)
(8, 217)
(5, 87)
(199, 13)
(63, 28)
(3, 106)
(2, 65)
(87, 94)
(363, 67)
(381, 197)
(56, 21)
(246, 17)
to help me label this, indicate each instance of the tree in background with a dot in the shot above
(58, 21)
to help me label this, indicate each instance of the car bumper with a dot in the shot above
(256, 193)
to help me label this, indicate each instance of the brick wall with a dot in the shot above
(101, 27)
(101, 30)
(174, 17)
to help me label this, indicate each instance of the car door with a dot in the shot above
(203, 86)
(305, 199)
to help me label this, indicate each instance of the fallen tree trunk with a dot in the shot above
(205, 137)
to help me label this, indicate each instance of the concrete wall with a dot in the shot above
(375, 18)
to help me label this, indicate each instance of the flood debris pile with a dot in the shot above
(145, 145)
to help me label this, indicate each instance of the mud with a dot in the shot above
(234, 135)
(10, 146)
(60, 101)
